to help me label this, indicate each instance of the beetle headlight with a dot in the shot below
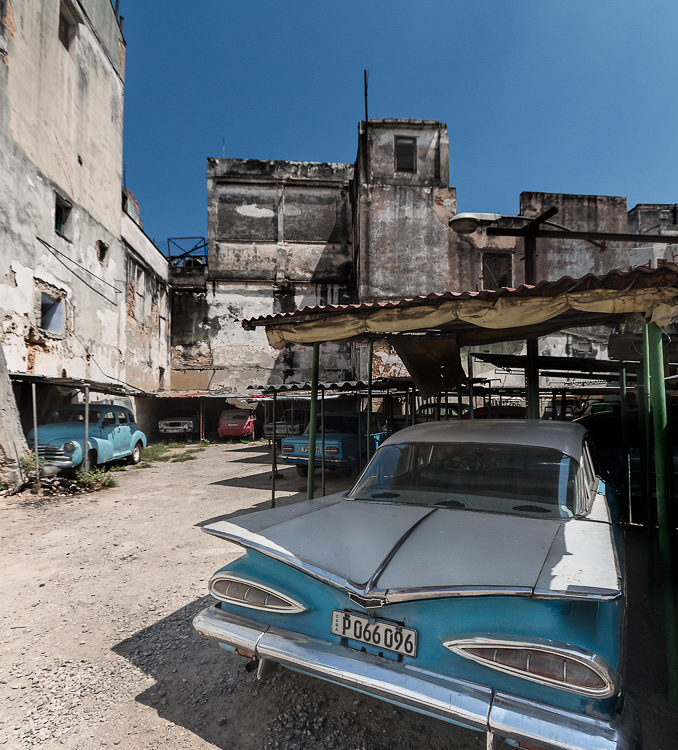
(248, 593)
(563, 667)
(70, 446)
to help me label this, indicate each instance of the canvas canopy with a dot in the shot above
(453, 319)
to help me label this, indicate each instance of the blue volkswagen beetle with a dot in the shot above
(472, 573)
(112, 434)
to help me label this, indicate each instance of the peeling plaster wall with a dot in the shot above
(279, 237)
(61, 134)
(401, 217)
(146, 329)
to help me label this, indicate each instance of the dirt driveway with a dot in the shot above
(98, 592)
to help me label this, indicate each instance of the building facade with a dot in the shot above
(71, 242)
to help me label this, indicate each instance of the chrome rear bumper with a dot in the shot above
(451, 699)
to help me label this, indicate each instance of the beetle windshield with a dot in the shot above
(75, 414)
(516, 479)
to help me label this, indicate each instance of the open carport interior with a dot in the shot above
(441, 324)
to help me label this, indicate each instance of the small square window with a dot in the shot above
(62, 217)
(51, 313)
(496, 270)
(405, 154)
(67, 25)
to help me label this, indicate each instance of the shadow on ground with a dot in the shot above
(645, 676)
(206, 690)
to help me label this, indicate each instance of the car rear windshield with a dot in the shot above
(339, 424)
(234, 415)
(515, 479)
(75, 414)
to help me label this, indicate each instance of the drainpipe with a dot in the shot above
(313, 427)
(662, 483)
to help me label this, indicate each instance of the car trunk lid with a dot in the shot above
(402, 552)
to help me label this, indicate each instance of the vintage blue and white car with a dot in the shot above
(472, 573)
(345, 442)
(112, 434)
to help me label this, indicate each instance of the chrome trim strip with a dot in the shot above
(452, 699)
(449, 698)
(522, 720)
(295, 608)
(588, 659)
(240, 633)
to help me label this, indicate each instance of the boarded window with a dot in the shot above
(405, 154)
(497, 270)
(51, 313)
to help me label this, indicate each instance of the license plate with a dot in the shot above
(232, 424)
(375, 632)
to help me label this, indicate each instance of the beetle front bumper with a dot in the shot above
(458, 701)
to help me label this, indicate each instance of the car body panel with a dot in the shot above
(177, 425)
(237, 423)
(343, 450)
(109, 441)
(453, 575)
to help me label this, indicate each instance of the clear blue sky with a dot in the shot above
(572, 96)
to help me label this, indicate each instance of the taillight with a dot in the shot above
(563, 667)
(287, 449)
(246, 593)
(332, 451)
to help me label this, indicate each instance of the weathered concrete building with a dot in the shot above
(283, 235)
(280, 236)
(83, 291)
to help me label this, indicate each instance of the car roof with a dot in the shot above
(566, 437)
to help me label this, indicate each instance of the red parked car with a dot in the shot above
(237, 423)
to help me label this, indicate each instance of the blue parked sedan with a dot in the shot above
(345, 442)
(112, 434)
(474, 573)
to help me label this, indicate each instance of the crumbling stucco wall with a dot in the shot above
(60, 151)
(279, 238)
(144, 335)
(403, 247)
(12, 441)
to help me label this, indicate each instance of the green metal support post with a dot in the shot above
(313, 424)
(625, 441)
(662, 483)
(369, 396)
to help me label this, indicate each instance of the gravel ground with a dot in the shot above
(97, 595)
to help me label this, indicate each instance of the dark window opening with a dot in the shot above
(67, 25)
(405, 154)
(62, 217)
(496, 270)
(102, 249)
(51, 313)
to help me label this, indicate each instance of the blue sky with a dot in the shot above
(572, 96)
